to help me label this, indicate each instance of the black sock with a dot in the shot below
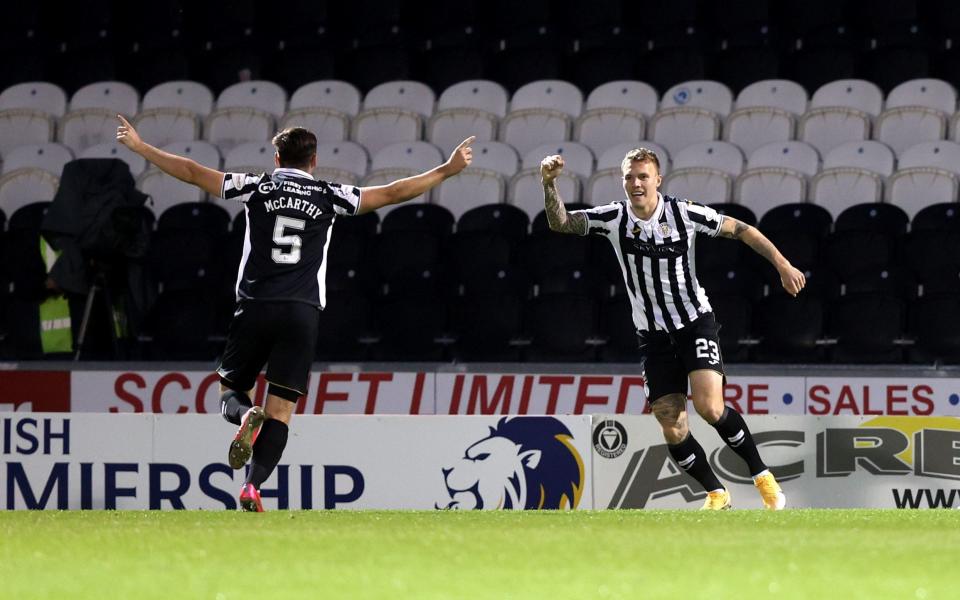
(233, 405)
(733, 429)
(267, 450)
(691, 457)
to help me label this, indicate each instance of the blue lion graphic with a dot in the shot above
(524, 463)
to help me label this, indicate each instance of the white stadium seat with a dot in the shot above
(116, 150)
(908, 126)
(677, 128)
(258, 154)
(26, 186)
(601, 128)
(849, 93)
(552, 94)
(229, 127)
(577, 158)
(49, 156)
(838, 188)
(869, 155)
(261, 95)
(409, 95)
(471, 188)
(612, 157)
(35, 95)
(927, 174)
(526, 190)
(350, 157)
(204, 153)
(707, 186)
(451, 126)
(83, 128)
(330, 93)
(162, 126)
(931, 93)
(827, 127)
(166, 191)
(722, 156)
(497, 157)
(635, 96)
(753, 127)
(335, 176)
(528, 128)
(418, 156)
(604, 187)
(24, 127)
(955, 128)
(941, 155)
(114, 96)
(386, 176)
(708, 95)
(377, 128)
(797, 156)
(185, 95)
(478, 94)
(327, 124)
(774, 93)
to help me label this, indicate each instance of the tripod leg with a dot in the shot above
(87, 309)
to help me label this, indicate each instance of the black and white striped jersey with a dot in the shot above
(289, 218)
(657, 258)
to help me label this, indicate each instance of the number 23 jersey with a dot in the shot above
(289, 220)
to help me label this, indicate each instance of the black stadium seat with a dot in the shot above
(560, 327)
(505, 219)
(428, 218)
(937, 217)
(883, 218)
(789, 328)
(866, 327)
(485, 324)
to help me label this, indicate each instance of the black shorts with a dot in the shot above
(669, 358)
(282, 335)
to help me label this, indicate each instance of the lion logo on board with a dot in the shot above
(524, 463)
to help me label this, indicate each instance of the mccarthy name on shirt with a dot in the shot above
(311, 209)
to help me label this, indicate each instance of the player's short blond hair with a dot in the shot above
(639, 155)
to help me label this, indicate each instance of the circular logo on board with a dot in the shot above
(609, 439)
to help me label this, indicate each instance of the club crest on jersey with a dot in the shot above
(665, 229)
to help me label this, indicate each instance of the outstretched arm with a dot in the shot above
(372, 198)
(558, 218)
(184, 169)
(792, 279)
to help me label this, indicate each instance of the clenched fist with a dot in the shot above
(550, 168)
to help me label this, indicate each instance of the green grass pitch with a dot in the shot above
(538, 555)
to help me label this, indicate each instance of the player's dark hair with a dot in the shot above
(296, 146)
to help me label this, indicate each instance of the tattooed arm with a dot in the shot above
(791, 278)
(557, 216)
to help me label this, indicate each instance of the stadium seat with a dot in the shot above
(468, 251)
(162, 126)
(604, 187)
(21, 187)
(469, 189)
(229, 127)
(545, 251)
(866, 327)
(934, 326)
(184, 95)
(788, 329)
(570, 343)
(853, 174)
(412, 96)
(635, 96)
(496, 156)
(425, 218)
(928, 174)
(705, 94)
(379, 127)
(601, 128)
(411, 329)
(800, 217)
(783, 94)
(916, 111)
(737, 211)
(451, 126)
(890, 280)
(478, 94)
(49, 156)
(114, 149)
(549, 94)
(198, 216)
(346, 323)
(261, 95)
(24, 277)
(41, 96)
(826, 128)
(340, 96)
(704, 172)
(182, 325)
(621, 344)
(937, 217)
(857, 94)
(720, 156)
(733, 314)
(327, 124)
(931, 254)
(850, 253)
(526, 190)
(878, 217)
(250, 154)
(334, 158)
(577, 157)
(23, 127)
(867, 155)
(419, 156)
(753, 127)
(485, 325)
(528, 128)
(504, 219)
(676, 128)
(776, 174)
(81, 129)
(111, 96)
(165, 191)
